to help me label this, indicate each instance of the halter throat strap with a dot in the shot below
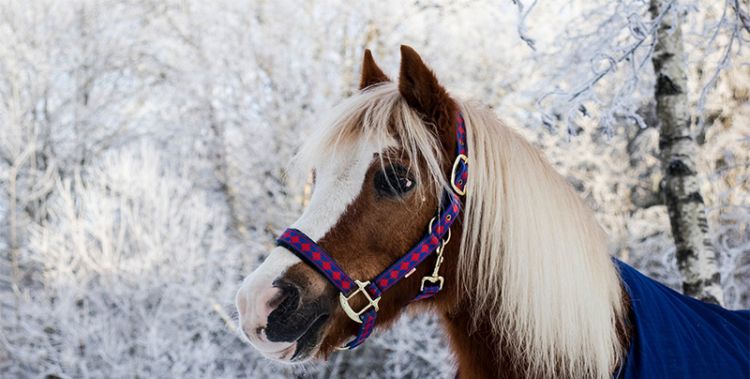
(371, 291)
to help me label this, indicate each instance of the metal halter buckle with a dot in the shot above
(371, 303)
(459, 158)
(435, 277)
(432, 279)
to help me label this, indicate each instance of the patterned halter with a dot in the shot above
(433, 242)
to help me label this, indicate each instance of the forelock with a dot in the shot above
(379, 117)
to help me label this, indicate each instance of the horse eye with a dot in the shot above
(394, 181)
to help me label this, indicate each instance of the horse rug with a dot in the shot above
(675, 336)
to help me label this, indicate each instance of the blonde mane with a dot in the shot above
(532, 255)
(529, 237)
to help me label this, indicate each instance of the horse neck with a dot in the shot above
(479, 351)
(543, 229)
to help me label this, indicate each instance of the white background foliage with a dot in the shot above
(143, 145)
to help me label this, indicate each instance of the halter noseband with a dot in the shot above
(434, 241)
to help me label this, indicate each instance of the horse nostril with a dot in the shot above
(293, 317)
(287, 300)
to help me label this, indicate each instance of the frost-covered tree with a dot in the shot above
(632, 48)
(679, 151)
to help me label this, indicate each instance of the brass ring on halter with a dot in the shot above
(445, 240)
(429, 227)
(429, 230)
(459, 158)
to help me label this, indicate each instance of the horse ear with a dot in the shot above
(419, 86)
(371, 73)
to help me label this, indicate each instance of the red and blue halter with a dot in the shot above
(433, 242)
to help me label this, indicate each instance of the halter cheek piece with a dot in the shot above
(434, 241)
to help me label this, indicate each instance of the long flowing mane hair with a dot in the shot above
(532, 256)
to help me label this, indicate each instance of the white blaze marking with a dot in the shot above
(337, 185)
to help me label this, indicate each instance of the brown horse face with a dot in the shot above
(366, 213)
(368, 208)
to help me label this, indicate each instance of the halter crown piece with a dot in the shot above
(434, 241)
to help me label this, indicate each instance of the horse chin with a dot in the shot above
(295, 353)
(308, 345)
(304, 349)
(282, 356)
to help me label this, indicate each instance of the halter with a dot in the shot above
(434, 241)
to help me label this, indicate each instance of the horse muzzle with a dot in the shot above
(278, 314)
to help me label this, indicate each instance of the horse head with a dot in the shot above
(375, 192)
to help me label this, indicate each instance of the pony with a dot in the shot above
(526, 289)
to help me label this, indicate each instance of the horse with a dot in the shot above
(526, 288)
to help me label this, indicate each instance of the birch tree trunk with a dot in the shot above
(696, 258)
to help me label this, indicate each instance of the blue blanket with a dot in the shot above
(675, 336)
